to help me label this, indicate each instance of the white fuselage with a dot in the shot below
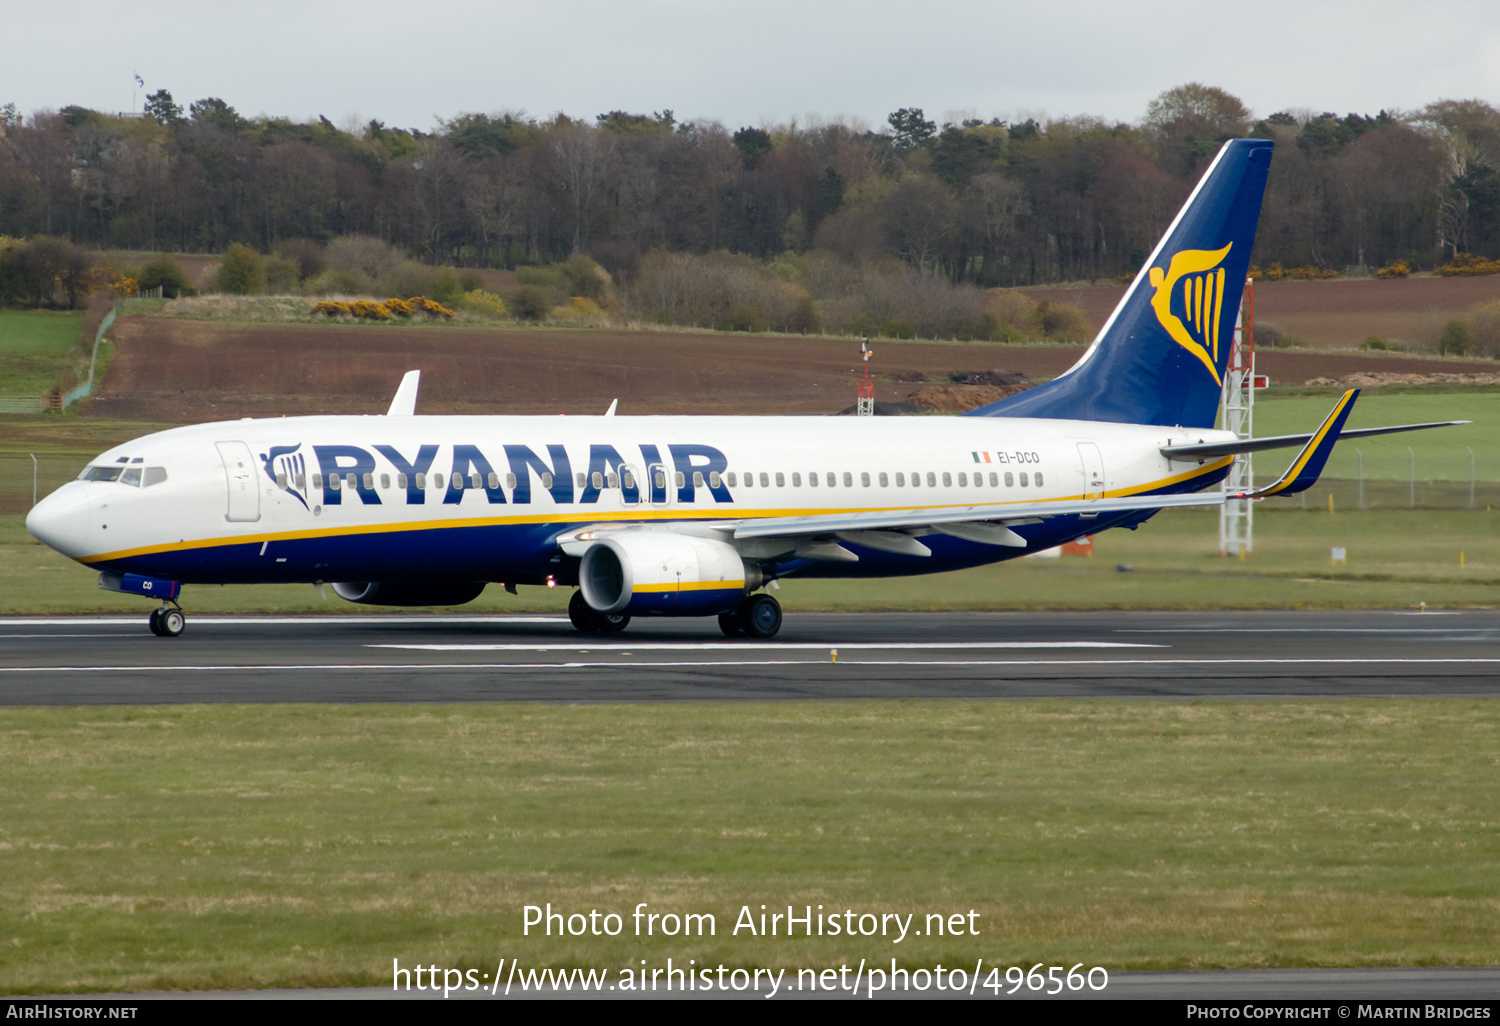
(257, 500)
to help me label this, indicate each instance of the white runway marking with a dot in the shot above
(398, 667)
(312, 619)
(1300, 630)
(740, 646)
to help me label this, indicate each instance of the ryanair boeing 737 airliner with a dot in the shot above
(695, 516)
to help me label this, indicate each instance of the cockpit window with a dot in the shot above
(132, 475)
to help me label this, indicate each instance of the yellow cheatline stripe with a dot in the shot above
(575, 521)
(691, 586)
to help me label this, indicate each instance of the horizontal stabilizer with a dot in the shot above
(1213, 450)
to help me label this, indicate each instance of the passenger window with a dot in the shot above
(780, 479)
(385, 482)
(598, 479)
(494, 480)
(697, 479)
(335, 482)
(963, 479)
(1038, 476)
(154, 476)
(749, 480)
(281, 481)
(1010, 479)
(401, 481)
(318, 481)
(546, 481)
(884, 481)
(458, 483)
(831, 480)
(612, 480)
(714, 480)
(369, 482)
(978, 480)
(437, 480)
(931, 479)
(628, 479)
(510, 481)
(864, 479)
(582, 480)
(812, 479)
(900, 480)
(994, 480)
(660, 479)
(796, 480)
(947, 480)
(1024, 482)
(733, 483)
(765, 479)
(680, 480)
(421, 482)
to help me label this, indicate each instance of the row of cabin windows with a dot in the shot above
(476, 480)
(627, 479)
(831, 479)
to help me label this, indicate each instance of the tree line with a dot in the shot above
(982, 202)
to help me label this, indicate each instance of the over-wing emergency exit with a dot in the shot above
(697, 516)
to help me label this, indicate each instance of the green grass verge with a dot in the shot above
(272, 846)
(1440, 454)
(36, 347)
(1394, 558)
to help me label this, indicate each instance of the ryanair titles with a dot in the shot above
(503, 473)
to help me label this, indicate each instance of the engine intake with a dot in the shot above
(656, 573)
(409, 593)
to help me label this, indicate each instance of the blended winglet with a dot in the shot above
(405, 402)
(1306, 468)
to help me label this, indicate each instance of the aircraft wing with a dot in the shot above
(1009, 513)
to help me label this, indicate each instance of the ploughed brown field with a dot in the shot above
(1330, 314)
(177, 371)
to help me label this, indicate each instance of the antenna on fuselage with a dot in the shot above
(405, 402)
(612, 404)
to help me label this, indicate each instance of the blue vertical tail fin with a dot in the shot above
(1160, 357)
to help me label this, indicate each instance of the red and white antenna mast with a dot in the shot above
(865, 405)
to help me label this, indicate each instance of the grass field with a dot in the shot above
(36, 347)
(1396, 556)
(224, 847)
(1440, 454)
(1394, 559)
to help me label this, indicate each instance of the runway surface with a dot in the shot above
(1171, 655)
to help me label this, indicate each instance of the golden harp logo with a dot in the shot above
(1202, 300)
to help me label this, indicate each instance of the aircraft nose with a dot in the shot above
(61, 520)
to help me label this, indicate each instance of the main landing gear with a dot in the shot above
(758, 616)
(167, 621)
(589, 620)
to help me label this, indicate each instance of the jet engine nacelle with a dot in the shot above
(409, 593)
(663, 574)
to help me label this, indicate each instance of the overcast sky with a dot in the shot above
(752, 62)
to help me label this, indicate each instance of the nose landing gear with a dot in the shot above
(167, 621)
